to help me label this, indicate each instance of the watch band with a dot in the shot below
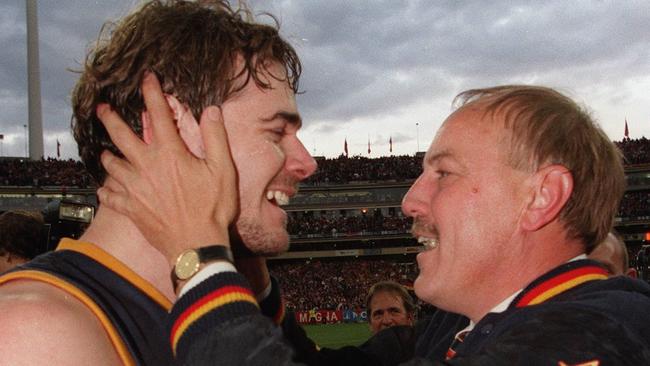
(189, 262)
(215, 252)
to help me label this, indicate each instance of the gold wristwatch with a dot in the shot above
(189, 262)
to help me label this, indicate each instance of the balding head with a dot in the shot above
(612, 253)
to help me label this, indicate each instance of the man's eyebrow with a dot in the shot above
(291, 118)
(437, 156)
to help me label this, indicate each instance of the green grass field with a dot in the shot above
(338, 335)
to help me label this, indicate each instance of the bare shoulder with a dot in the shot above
(43, 324)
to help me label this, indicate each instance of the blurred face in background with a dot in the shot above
(610, 253)
(387, 310)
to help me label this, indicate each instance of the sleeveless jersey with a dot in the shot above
(130, 309)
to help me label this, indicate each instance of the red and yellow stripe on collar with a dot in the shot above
(215, 299)
(560, 283)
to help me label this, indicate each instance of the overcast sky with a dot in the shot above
(376, 69)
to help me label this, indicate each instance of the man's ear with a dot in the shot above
(552, 187)
(188, 127)
(186, 124)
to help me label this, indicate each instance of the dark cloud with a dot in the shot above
(66, 28)
(13, 81)
(366, 60)
(352, 51)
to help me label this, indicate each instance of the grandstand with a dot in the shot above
(347, 229)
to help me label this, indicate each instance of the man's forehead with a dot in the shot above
(387, 294)
(472, 118)
(275, 87)
(276, 100)
(441, 146)
(271, 73)
(467, 128)
(436, 155)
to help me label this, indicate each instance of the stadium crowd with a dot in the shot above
(636, 151)
(341, 170)
(328, 226)
(47, 172)
(635, 205)
(344, 170)
(340, 285)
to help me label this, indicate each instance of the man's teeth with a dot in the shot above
(281, 198)
(429, 243)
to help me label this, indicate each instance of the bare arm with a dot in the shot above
(42, 325)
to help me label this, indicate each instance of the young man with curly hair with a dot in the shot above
(103, 299)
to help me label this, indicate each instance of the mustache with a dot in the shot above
(420, 227)
(286, 181)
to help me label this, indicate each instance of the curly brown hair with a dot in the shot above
(194, 48)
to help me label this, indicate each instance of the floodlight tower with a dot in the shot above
(35, 118)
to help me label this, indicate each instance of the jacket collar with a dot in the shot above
(559, 280)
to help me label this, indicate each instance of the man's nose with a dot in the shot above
(414, 202)
(300, 162)
(387, 319)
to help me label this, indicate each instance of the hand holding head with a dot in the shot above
(165, 190)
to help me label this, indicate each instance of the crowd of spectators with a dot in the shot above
(336, 285)
(341, 170)
(46, 172)
(636, 151)
(334, 226)
(344, 170)
(327, 284)
(635, 205)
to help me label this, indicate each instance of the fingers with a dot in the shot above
(113, 185)
(121, 134)
(161, 117)
(114, 200)
(214, 134)
(147, 134)
(113, 193)
(120, 171)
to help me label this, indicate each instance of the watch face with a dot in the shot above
(187, 264)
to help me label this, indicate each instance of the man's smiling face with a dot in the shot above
(466, 207)
(262, 126)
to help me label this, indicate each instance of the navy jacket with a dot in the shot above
(571, 315)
